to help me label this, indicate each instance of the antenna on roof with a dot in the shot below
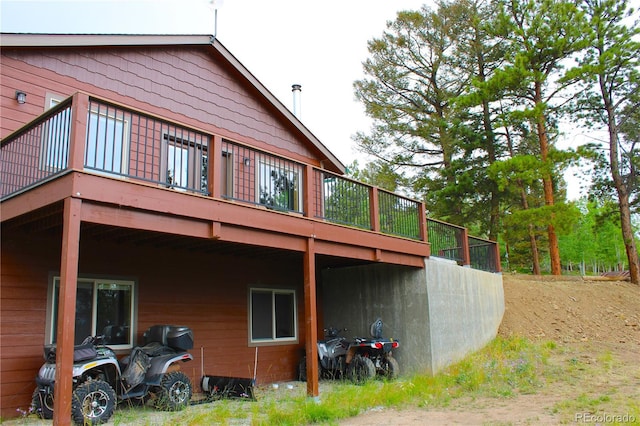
(216, 4)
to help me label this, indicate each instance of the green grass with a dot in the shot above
(503, 369)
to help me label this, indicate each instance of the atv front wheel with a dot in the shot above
(175, 392)
(92, 403)
(361, 369)
(42, 403)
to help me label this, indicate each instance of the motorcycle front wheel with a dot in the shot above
(92, 403)
(361, 369)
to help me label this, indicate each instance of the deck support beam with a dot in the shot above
(67, 310)
(311, 318)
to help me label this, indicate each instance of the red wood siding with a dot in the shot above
(207, 292)
(188, 85)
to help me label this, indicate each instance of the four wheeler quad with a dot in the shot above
(100, 381)
(357, 360)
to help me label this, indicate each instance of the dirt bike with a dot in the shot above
(100, 381)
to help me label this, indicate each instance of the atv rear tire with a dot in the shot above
(361, 369)
(175, 391)
(390, 368)
(42, 404)
(92, 402)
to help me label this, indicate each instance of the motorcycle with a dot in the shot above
(101, 381)
(358, 360)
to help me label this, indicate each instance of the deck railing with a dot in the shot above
(257, 177)
(484, 255)
(454, 243)
(37, 152)
(447, 240)
(119, 141)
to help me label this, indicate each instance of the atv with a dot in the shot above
(101, 381)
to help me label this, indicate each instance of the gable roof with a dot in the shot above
(104, 40)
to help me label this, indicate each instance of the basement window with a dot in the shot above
(103, 307)
(272, 315)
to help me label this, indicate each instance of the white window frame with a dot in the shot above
(273, 339)
(112, 116)
(263, 172)
(95, 283)
(197, 154)
(51, 100)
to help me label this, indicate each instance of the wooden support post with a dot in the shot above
(311, 318)
(67, 310)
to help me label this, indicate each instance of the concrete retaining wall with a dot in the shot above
(439, 314)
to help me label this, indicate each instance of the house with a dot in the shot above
(154, 180)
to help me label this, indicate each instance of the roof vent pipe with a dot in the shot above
(296, 89)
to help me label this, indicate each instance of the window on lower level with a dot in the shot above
(103, 307)
(272, 315)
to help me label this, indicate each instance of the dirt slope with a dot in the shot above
(571, 310)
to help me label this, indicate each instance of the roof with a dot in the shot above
(97, 40)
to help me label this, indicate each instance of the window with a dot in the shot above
(55, 137)
(185, 163)
(102, 307)
(226, 181)
(273, 315)
(107, 146)
(279, 186)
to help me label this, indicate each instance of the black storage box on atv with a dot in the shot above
(175, 336)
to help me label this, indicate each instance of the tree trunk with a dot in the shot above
(547, 181)
(621, 188)
(535, 258)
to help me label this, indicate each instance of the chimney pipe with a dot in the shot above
(296, 89)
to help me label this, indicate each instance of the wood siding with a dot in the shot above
(189, 85)
(207, 292)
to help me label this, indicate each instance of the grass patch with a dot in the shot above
(505, 368)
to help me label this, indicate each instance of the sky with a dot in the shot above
(318, 44)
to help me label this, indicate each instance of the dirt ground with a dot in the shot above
(596, 326)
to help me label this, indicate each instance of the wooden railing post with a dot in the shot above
(374, 206)
(422, 220)
(308, 195)
(466, 255)
(78, 133)
(214, 172)
(496, 247)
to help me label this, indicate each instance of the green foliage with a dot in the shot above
(504, 368)
(595, 242)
